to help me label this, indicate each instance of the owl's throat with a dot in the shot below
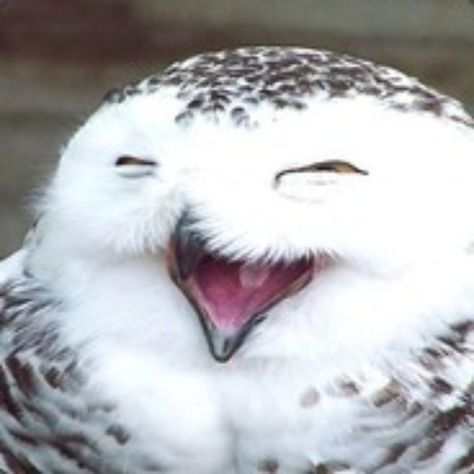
(231, 297)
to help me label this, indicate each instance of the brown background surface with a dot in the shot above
(58, 57)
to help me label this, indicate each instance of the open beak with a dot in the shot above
(230, 297)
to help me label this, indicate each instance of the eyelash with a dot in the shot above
(331, 166)
(128, 160)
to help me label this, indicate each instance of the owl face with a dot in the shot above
(246, 215)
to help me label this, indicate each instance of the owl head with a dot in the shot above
(252, 175)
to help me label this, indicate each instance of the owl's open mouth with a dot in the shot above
(230, 297)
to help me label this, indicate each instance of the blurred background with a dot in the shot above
(59, 57)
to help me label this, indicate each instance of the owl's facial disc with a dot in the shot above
(230, 297)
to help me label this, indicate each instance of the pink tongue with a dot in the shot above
(233, 292)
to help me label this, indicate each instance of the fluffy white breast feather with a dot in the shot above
(258, 261)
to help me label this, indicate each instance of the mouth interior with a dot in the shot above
(233, 293)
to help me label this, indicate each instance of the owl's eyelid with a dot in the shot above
(331, 166)
(129, 160)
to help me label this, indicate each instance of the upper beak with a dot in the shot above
(186, 250)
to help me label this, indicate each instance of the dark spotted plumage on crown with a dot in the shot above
(233, 82)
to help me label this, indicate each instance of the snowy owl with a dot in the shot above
(259, 261)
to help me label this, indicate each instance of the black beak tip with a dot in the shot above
(188, 247)
(222, 346)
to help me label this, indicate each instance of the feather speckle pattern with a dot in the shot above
(236, 81)
(257, 262)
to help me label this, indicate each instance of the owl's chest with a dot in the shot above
(241, 423)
